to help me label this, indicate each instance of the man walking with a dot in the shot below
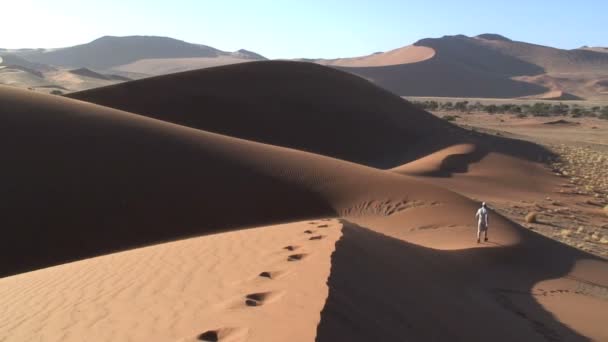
(482, 221)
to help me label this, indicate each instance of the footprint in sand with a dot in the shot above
(318, 237)
(291, 248)
(209, 336)
(261, 298)
(323, 226)
(272, 275)
(308, 231)
(296, 257)
(266, 275)
(223, 334)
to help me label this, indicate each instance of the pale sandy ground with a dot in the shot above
(179, 290)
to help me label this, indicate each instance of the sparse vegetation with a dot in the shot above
(604, 113)
(450, 117)
(542, 109)
(56, 92)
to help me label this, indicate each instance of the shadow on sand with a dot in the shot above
(385, 289)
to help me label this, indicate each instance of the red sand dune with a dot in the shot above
(493, 66)
(297, 105)
(405, 55)
(82, 180)
(487, 72)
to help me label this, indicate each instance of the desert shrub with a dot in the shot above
(461, 106)
(447, 106)
(604, 113)
(515, 109)
(475, 107)
(491, 109)
(521, 115)
(426, 105)
(540, 109)
(450, 117)
(56, 92)
(560, 109)
(531, 217)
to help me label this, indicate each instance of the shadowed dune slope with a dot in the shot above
(552, 60)
(298, 105)
(469, 169)
(81, 180)
(390, 288)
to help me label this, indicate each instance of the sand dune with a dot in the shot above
(563, 86)
(552, 60)
(92, 74)
(494, 67)
(21, 77)
(468, 169)
(44, 78)
(162, 66)
(119, 173)
(404, 55)
(260, 101)
(487, 72)
(82, 180)
(10, 59)
(110, 51)
(181, 290)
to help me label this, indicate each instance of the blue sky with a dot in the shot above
(307, 28)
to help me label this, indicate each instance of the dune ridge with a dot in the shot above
(405, 55)
(361, 122)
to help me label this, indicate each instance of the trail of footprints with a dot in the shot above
(259, 298)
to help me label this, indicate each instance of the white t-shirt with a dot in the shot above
(482, 215)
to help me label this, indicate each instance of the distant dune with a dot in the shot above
(11, 59)
(107, 52)
(596, 49)
(162, 66)
(485, 66)
(19, 72)
(92, 74)
(487, 73)
(404, 55)
(492, 65)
